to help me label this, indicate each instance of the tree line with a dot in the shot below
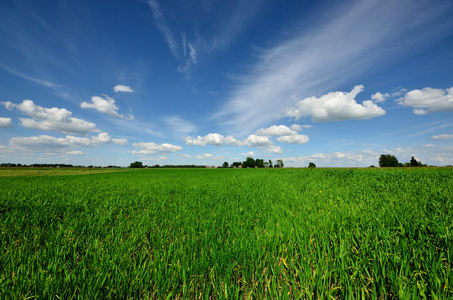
(13, 165)
(388, 160)
(249, 162)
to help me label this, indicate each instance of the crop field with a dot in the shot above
(228, 234)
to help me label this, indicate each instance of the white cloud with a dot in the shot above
(443, 137)
(257, 141)
(336, 106)
(162, 26)
(50, 119)
(277, 131)
(335, 159)
(6, 122)
(428, 100)
(106, 106)
(193, 54)
(76, 153)
(46, 143)
(123, 89)
(206, 155)
(213, 139)
(120, 142)
(248, 154)
(162, 158)
(322, 57)
(298, 127)
(152, 148)
(293, 139)
(189, 51)
(274, 149)
(186, 155)
(379, 97)
(217, 139)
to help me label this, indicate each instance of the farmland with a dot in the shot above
(228, 234)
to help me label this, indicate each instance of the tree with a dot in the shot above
(225, 165)
(236, 164)
(249, 163)
(311, 165)
(414, 162)
(259, 163)
(137, 164)
(270, 164)
(387, 160)
(279, 164)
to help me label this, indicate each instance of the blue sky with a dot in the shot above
(203, 82)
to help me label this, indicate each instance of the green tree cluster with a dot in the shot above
(255, 163)
(387, 160)
(136, 164)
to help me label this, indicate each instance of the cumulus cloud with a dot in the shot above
(248, 154)
(274, 149)
(428, 100)
(6, 122)
(257, 141)
(294, 139)
(153, 148)
(379, 97)
(50, 119)
(213, 139)
(106, 106)
(335, 159)
(298, 127)
(443, 137)
(46, 143)
(277, 130)
(261, 139)
(123, 89)
(336, 106)
(206, 155)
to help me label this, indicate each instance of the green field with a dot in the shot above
(228, 234)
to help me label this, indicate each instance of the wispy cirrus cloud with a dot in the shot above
(163, 27)
(187, 53)
(443, 137)
(55, 88)
(356, 37)
(179, 126)
(230, 22)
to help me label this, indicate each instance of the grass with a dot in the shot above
(228, 234)
(29, 171)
